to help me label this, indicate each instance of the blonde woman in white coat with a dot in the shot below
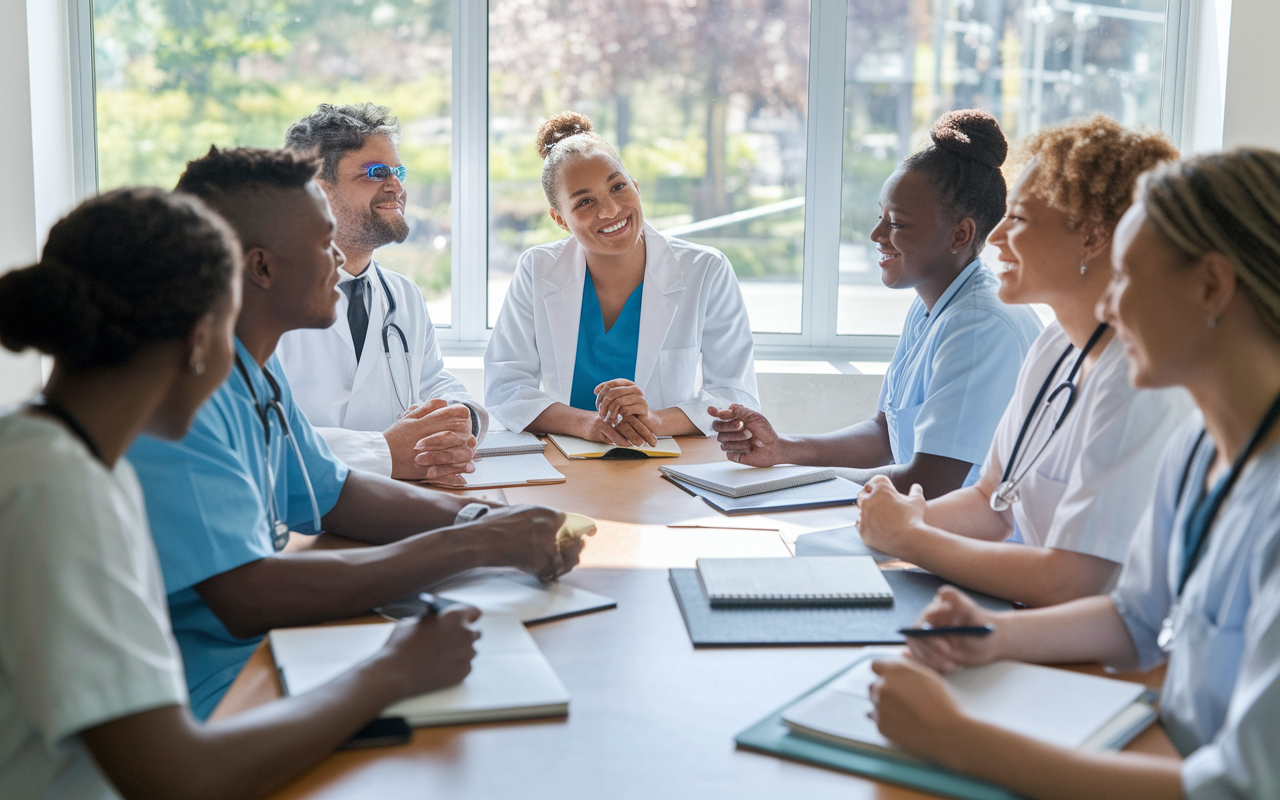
(616, 334)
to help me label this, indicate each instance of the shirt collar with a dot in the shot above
(347, 277)
(954, 288)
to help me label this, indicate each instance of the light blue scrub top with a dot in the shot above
(604, 355)
(1220, 703)
(955, 370)
(206, 499)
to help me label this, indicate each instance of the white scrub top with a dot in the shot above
(1221, 698)
(955, 369)
(1094, 480)
(695, 347)
(84, 631)
(351, 403)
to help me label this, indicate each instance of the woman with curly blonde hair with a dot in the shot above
(1072, 464)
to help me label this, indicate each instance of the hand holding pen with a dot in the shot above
(953, 632)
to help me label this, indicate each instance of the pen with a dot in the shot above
(424, 605)
(959, 630)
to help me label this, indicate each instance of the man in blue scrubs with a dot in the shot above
(222, 500)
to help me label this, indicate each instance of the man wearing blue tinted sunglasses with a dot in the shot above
(374, 383)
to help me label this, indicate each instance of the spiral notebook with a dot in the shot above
(818, 581)
(738, 480)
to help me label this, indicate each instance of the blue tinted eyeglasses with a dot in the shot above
(380, 172)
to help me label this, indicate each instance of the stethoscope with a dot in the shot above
(390, 329)
(278, 528)
(1192, 517)
(1007, 493)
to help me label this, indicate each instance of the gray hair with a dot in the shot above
(1226, 203)
(333, 131)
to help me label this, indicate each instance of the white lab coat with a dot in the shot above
(695, 346)
(351, 403)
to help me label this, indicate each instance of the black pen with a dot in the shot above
(959, 630)
(424, 605)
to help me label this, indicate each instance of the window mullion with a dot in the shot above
(823, 168)
(470, 190)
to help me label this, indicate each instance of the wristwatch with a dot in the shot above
(470, 513)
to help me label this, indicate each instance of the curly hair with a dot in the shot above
(563, 135)
(1088, 168)
(122, 272)
(333, 131)
(964, 164)
(1226, 203)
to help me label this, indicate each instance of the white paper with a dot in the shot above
(522, 596)
(510, 678)
(512, 471)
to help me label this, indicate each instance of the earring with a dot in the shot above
(197, 368)
(1212, 322)
(1084, 267)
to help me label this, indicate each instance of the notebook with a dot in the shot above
(1059, 707)
(739, 480)
(518, 470)
(517, 594)
(817, 581)
(509, 443)
(510, 678)
(750, 626)
(835, 492)
(573, 447)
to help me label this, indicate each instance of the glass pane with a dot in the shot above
(1028, 62)
(705, 101)
(175, 76)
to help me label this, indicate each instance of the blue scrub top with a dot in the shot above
(604, 355)
(955, 370)
(206, 499)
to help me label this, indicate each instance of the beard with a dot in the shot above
(370, 230)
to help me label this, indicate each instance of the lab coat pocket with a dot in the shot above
(1040, 495)
(678, 369)
(902, 431)
(1203, 670)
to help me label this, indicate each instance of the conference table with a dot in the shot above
(649, 715)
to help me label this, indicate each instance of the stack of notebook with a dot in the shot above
(738, 489)
(508, 458)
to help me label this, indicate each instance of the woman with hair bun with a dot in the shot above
(136, 297)
(957, 360)
(1074, 455)
(616, 334)
(1195, 300)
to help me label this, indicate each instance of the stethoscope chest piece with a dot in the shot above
(279, 536)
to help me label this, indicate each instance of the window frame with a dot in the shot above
(468, 333)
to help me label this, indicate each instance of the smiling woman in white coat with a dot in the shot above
(616, 334)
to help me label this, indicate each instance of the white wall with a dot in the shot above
(1251, 108)
(36, 143)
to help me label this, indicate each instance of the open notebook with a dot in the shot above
(517, 470)
(573, 447)
(817, 581)
(1063, 708)
(510, 678)
(739, 480)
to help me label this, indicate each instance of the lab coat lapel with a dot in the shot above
(563, 303)
(662, 278)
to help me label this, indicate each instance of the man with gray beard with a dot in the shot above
(374, 383)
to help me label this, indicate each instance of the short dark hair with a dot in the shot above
(333, 131)
(220, 172)
(123, 271)
(964, 162)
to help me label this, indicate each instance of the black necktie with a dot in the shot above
(357, 311)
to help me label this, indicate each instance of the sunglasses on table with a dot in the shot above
(380, 172)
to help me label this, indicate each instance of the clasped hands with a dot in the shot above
(432, 442)
(623, 416)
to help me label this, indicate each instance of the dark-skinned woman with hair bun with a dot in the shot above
(958, 357)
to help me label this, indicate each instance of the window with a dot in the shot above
(1028, 62)
(764, 128)
(174, 76)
